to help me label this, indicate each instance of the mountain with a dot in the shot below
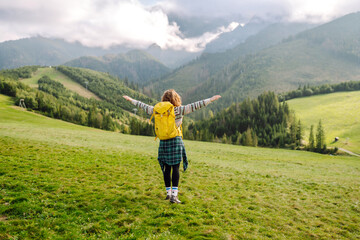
(341, 37)
(136, 65)
(171, 58)
(45, 52)
(195, 26)
(208, 64)
(325, 54)
(230, 40)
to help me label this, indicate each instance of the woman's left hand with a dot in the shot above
(214, 98)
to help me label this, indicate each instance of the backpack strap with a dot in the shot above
(152, 116)
(154, 125)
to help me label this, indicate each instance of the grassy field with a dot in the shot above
(58, 76)
(63, 181)
(339, 114)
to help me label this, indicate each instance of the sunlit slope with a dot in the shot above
(60, 77)
(339, 113)
(63, 181)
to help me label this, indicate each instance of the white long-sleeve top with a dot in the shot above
(179, 111)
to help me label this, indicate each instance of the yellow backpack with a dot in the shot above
(165, 127)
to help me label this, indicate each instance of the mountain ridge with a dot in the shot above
(299, 59)
(136, 65)
(209, 64)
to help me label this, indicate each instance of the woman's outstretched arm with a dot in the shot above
(192, 107)
(147, 108)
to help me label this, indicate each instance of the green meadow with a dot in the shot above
(63, 181)
(339, 114)
(60, 77)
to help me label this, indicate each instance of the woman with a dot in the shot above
(171, 151)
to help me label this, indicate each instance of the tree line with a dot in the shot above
(22, 72)
(308, 90)
(316, 141)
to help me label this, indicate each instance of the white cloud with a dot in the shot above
(291, 10)
(97, 23)
(198, 43)
(320, 10)
(139, 23)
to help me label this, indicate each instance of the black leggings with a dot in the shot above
(175, 175)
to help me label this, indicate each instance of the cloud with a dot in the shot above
(140, 23)
(221, 8)
(199, 43)
(98, 23)
(287, 10)
(320, 11)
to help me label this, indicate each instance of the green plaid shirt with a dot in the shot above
(171, 152)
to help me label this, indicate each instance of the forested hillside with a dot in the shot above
(137, 66)
(341, 37)
(259, 122)
(52, 99)
(298, 60)
(188, 77)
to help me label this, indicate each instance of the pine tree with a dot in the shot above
(254, 139)
(299, 134)
(211, 114)
(98, 120)
(281, 141)
(108, 123)
(92, 116)
(248, 138)
(238, 138)
(320, 137)
(311, 139)
(134, 127)
(224, 138)
(293, 131)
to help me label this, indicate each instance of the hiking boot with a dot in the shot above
(174, 199)
(168, 197)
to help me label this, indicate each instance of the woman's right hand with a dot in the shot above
(127, 98)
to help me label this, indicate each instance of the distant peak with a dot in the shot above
(256, 19)
(154, 46)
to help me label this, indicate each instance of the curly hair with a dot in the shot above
(171, 96)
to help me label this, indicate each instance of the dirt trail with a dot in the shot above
(349, 152)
